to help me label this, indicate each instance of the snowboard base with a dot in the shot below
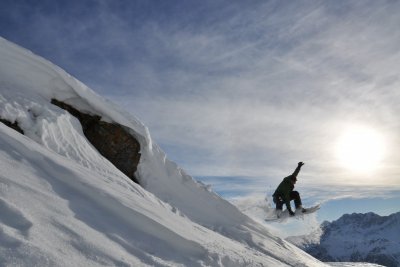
(298, 214)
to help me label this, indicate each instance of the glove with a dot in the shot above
(300, 163)
(291, 213)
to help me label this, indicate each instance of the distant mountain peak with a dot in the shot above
(365, 237)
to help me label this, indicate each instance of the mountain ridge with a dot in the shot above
(365, 237)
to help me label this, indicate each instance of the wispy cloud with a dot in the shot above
(281, 92)
(230, 89)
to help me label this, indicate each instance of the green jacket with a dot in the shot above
(286, 187)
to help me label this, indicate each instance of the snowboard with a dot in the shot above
(298, 214)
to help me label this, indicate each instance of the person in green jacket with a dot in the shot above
(284, 193)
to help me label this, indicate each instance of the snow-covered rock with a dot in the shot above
(356, 237)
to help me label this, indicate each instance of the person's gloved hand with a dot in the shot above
(300, 163)
(291, 213)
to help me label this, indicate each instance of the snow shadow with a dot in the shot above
(138, 234)
(13, 218)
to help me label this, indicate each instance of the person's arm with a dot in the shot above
(297, 170)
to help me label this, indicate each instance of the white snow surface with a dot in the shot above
(63, 204)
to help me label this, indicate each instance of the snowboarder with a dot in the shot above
(284, 193)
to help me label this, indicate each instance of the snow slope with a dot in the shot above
(63, 204)
(55, 212)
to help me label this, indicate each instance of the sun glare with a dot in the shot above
(360, 149)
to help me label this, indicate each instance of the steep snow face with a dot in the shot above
(54, 212)
(356, 237)
(63, 204)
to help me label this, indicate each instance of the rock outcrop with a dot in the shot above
(112, 140)
(13, 125)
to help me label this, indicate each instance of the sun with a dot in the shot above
(360, 149)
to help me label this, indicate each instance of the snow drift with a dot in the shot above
(63, 204)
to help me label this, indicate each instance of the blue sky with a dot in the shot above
(239, 88)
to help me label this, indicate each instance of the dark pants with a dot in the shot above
(294, 195)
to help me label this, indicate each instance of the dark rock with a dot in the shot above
(112, 140)
(13, 125)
